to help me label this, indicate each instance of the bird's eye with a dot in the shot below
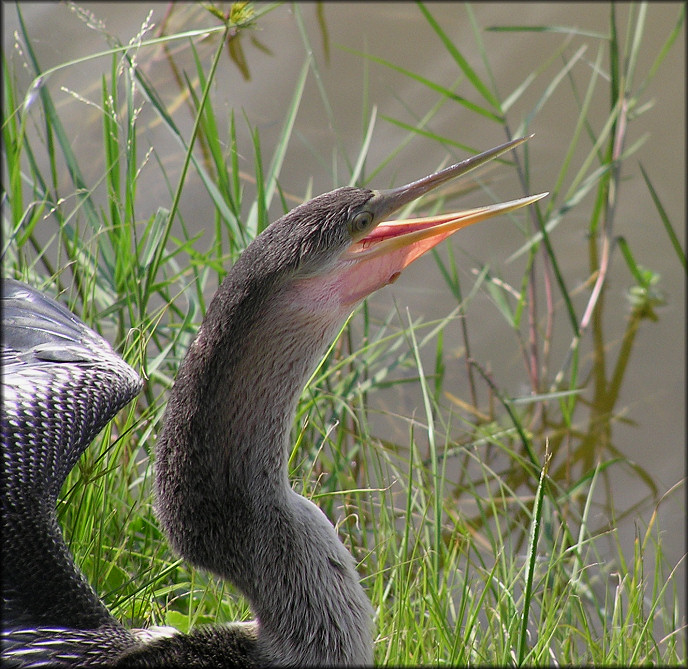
(361, 222)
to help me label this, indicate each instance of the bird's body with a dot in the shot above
(222, 488)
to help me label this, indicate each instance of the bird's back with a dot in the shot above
(61, 383)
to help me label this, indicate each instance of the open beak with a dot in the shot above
(381, 255)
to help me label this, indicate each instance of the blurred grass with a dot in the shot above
(502, 566)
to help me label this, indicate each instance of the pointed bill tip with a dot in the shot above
(386, 202)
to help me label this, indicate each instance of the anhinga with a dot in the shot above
(222, 486)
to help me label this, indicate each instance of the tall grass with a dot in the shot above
(501, 565)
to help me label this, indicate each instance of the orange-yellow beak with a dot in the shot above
(381, 255)
(411, 238)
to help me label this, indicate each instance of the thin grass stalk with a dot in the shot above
(531, 559)
(312, 63)
(673, 238)
(161, 250)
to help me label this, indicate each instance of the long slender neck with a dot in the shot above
(222, 482)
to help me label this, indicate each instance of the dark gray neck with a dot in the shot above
(223, 492)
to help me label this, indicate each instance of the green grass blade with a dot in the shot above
(285, 136)
(161, 250)
(363, 153)
(666, 47)
(428, 83)
(53, 121)
(531, 559)
(463, 64)
(673, 238)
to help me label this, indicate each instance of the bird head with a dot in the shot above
(340, 247)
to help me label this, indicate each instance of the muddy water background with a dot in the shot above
(653, 392)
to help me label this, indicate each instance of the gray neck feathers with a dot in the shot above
(223, 493)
